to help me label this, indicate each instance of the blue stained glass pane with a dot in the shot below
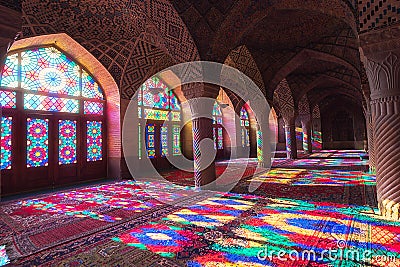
(48, 103)
(9, 75)
(47, 69)
(90, 88)
(7, 99)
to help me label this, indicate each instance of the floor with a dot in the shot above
(316, 211)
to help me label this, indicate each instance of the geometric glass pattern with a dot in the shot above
(37, 142)
(217, 131)
(93, 108)
(156, 102)
(153, 114)
(245, 137)
(164, 141)
(7, 99)
(48, 103)
(220, 139)
(67, 142)
(48, 70)
(244, 117)
(90, 89)
(9, 76)
(6, 142)
(155, 94)
(259, 146)
(175, 116)
(176, 145)
(245, 124)
(150, 141)
(94, 140)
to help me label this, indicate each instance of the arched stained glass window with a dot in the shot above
(63, 109)
(245, 125)
(159, 106)
(217, 129)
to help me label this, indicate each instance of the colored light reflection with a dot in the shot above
(94, 202)
(231, 230)
(316, 177)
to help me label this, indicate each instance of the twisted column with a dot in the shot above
(290, 134)
(201, 98)
(204, 172)
(371, 147)
(383, 70)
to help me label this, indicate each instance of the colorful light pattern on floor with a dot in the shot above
(4, 260)
(90, 202)
(316, 177)
(226, 229)
(231, 234)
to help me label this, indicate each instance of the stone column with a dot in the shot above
(290, 134)
(371, 148)
(264, 143)
(307, 134)
(10, 27)
(382, 60)
(202, 128)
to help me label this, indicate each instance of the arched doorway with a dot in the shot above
(160, 118)
(53, 120)
(218, 132)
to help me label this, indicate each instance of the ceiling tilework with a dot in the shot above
(128, 38)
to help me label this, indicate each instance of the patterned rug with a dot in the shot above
(296, 217)
(184, 227)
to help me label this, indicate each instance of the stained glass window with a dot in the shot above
(218, 132)
(50, 81)
(48, 70)
(164, 141)
(156, 102)
(150, 141)
(37, 142)
(176, 145)
(93, 108)
(94, 140)
(6, 142)
(49, 103)
(153, 114)
(67, 142)
(245, 124)
(9, 76)
(7, 99)
(259, 146)
(90, 89)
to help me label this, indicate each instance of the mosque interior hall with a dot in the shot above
(200, 133)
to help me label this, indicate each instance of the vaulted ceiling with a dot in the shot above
(312, 44)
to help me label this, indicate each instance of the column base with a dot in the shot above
(389, 210)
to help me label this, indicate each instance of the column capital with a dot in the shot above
(194, 90)
(383, 70)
